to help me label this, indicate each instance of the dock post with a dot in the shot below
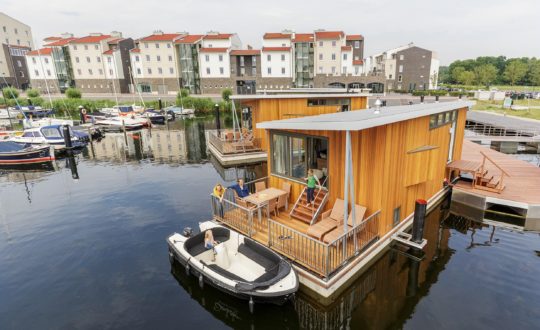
(218, 123)
(422, 99)
(160, 104)
(91, 143)
(419, 219)
(436, 98)
(124, 129)
(412, 276)
(67, 138)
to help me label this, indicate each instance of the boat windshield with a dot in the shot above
(125, 109)
(51, 132)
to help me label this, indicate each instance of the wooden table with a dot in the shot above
(464, 166)
(263, 197)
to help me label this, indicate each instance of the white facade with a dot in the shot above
(215, 64)
(12, 32)
(40, 66)
(157, 59)
(328, 54)
(347, 61)
(434, 72)
(113, 65)
(87, 58)
(137, 66)
(276, 63)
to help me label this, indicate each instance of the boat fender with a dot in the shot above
(187, 266)
(171, 257)
(201, 281)
(251, 305)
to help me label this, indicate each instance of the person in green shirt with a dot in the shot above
(312, 182)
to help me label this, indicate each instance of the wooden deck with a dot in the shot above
(523, 183)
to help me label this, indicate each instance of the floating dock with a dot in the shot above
(521, 191)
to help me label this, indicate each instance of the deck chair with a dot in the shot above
(329, 220)
(281, 202)
(229, 136)
(259, 186)
(286, 187)
(360, 212)
(272, 204)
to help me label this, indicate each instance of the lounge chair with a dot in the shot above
(360, 211)
(329, 220)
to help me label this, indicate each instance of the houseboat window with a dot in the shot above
(294, 154)
(51, 132)
(397, 215)
(441, 119)
(323, 102)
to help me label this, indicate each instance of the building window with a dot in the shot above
(158, 58)
(157, 45)
(357, 44)
(320, 43)
(345, 56)
(148, 58)
(76, 59)
(400, 78)
(19, 64)
(111, 72)
(397, 216)
(90, 72)
(333, 57)
(356, 70)
(88, 59)
(4, 28)
(344, 70)
(268, 57)
(137, 58)
(320, 56)
(253, 60)
(96, 47)
(207, 70)
(221, 71)
(159, 70)
(109, 59)
(149, 71)
(443, 118)
(100, 72)
(283, 57)
(269, 70)
(85, 47)
(36, 72)
(18, 42)
(79, 72)
(253, 71)
(333, 69)
(220, 58)
(16, 32)
(401, 57)
(282, 70)
(320, 69)
(98, 59)
(170, 57)
(400, 68)
(74, 47)
(168, 45)
(145, 45)
(390, 76)
(207, 58)
(333, 43)
(34, 60)
(171, 70)
(138, 71)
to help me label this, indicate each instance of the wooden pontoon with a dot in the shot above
(372, 164)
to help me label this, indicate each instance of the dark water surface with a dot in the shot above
(91, 254)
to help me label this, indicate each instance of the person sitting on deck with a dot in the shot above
(312, 181)
(240, 188)
(219, 193)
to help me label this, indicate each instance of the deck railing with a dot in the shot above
(318, 256)
(232, 143)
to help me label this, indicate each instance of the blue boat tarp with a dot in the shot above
(8, 146)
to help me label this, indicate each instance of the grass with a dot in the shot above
(499, 87)
(496, 107)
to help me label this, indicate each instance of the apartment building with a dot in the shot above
(155, 63)
(100, 61)
(187, 48)
(245, 70)
(61, 60)
(407, 68)
(215, 61)
(304, 59)
(41, 70)
(15, 41)
(277, 60)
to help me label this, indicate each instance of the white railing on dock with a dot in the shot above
(232, 143)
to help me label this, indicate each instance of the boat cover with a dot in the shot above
(9, 146)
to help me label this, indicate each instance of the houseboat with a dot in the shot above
(247, 144)
(372, 166)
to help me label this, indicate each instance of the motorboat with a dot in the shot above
(236, 265)
(119, 110)
(116, 123)
(155, 116)
(51, 135)
(12, 153)
(33, 111)
(8, 113)
(179, 111)
(47, 121)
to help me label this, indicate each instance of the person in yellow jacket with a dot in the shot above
(219, 193)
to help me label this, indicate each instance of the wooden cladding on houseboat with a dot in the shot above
(387, 174)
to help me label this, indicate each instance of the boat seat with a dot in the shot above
(260, 256)
(195, 245)
(224, 272)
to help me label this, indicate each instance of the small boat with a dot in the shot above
(237, 265)
(154, 116)
(12, 153)
(34, 111)
(179, 111)
(116, 123)
(12, 113)
(46, 121)
(51, 135)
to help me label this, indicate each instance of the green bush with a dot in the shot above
(184, 92)
(32, 93)
(10, 92)
(73, 93)
(420, 93)
(437, 92)
(457, 93)
(226, 94)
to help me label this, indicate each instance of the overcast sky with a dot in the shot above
(456, 29)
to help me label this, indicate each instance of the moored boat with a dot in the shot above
(237, 265)
(51, 135)
(12, 153)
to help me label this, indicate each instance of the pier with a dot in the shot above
(520, 190)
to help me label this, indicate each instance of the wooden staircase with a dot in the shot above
(484, 180)
(307, 213)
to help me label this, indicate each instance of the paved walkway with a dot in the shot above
(508, 122)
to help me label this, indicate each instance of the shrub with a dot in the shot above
(184, 92)
(437, 92)
(73, 93)
(32, 93)
(10, 92)
(420, 93)
(457, 93)
(226, 94)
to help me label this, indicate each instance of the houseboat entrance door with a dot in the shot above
(452, 141)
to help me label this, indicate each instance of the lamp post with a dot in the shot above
(378, 104)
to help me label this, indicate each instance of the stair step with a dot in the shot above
(301, 217)
(494, 182)
(305, 211)
(486, 178)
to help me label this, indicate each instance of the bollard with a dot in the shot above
(383, 103)
(412, 278)
(418, 222)
(218, 123)
(73, 167)
(460, 96)
(421, 98)
(436, 98)
(67, 137)
(160, 105)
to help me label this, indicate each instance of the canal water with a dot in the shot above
(82, 246)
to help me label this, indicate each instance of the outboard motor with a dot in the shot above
(187, 232)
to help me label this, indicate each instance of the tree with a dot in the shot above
(444, 75)
(485, 74)
(456, 72)
(32, 92)
(534, 73)
(515, 71)
(226, 94)
(10, 93)
(466, 78)
(73, 93)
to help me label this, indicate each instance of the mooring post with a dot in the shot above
(218, 123)
(67, 138)
(418, 222)
(436, 98)
(124, 129)
(412, 278)
(421, 98)
(160, 105)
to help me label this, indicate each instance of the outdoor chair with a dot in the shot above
(260, 186)
(360, 212)
(281, 202)
(329, 220)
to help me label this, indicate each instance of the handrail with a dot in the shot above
(319, 209)
(297, 200)
(363, 222)
(491, 160)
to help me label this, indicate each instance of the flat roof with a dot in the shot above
(363, 119)
(295, 95)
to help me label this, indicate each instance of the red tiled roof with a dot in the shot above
(245, 52)
(115, 41)
(189, 39)
(135, 50)
(346, 48)
(19, 46)
(277, 36)
(161, 37)
(218, 36)
(355, 37)
(276, 49)
(108, 52)
(303, 37)
(213, 50)
(60, 42)
(90, 39)
(42, 51)
(357, 62)
(329, 34)
(52, 38)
